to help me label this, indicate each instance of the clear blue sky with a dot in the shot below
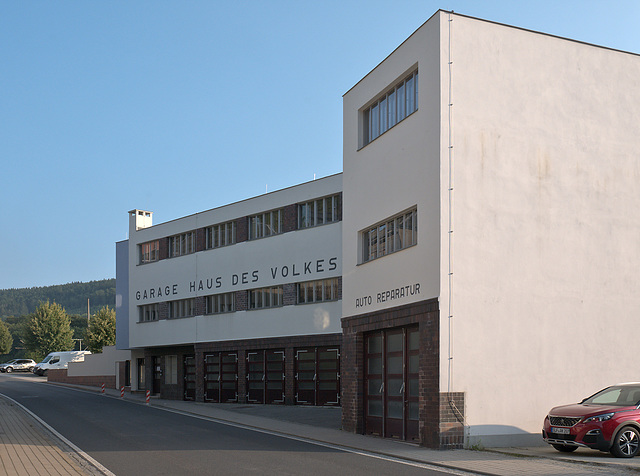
(182, 106)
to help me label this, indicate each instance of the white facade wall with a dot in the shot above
(545, 173)
(291, 257)
(541, 140)
(397, 171)
(104, 363)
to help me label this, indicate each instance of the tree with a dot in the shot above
(102, 330)
(48, 330)
(6, 341)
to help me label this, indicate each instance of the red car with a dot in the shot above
(606, 421)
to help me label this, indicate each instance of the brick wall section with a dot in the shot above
(452, 420)
(289, 344)
(242, 300)
(60, 376)
(290, 218)
(289, 294)
(242, 229)
(201, 239)
(339, 288)
(201, 305)
(163, 310)
(163, 248)
(426, 315)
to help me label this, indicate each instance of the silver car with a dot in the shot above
(18, 365)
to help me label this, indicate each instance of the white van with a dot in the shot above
(59, 360)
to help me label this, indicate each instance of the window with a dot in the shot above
(171, 369)
(182, 244)
(395, 105)
(182, 308)
(221, 235)
(265, 297)
(316, 291)
(148, 312)
(149, 252)
(219, 303)
(320, 211)
(265, 224)
(390, 236)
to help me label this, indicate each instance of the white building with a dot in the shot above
(476, 269)
(519, 158)
(240, 303)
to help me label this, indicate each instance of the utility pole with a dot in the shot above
(88, 314)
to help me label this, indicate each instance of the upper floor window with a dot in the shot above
(265, 297)
(395, 105)
(149, 252)
(265, 224)
(182, 244)
(219, 303)
(318, 212)
(390, 235)
(221, 235)
(148, 313)
(316, 291)
(182, 308)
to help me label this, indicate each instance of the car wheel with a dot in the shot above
(565, 448)
(44, 373)
(30, 369)
(626, 443)
(9, 370)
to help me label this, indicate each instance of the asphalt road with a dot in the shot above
(133, 439)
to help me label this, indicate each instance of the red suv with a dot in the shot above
(606, 421)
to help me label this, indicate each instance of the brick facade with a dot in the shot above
(60, 376)
(452, 420)
(425, 314)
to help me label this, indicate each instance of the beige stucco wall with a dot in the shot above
(545, 244)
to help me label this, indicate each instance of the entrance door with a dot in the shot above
(318, 376)
(221, 377)
(265, 376)
(157, 375)
(391, 383)
(189, 377)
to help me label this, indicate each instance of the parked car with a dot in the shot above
(59, 360)
(18, 365)
(607, 421)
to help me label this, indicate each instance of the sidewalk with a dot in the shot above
(28, 449)
(322, 425)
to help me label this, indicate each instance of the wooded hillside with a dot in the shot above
(72, 297)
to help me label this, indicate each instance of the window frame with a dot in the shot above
(152, 310)
(220, 235)
(261, 225)
(307, 292)
(149, 253)
(390, 108)
(309, 214)
(181, 244)
(384, 238)
(182, 308)
(262, 298)
(214, 304)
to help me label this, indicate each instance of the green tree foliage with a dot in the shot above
(102, 330)
(6, 340)
(47, 330)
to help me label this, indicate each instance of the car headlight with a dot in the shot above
(603, 417)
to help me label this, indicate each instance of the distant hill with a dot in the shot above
(72, 297)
